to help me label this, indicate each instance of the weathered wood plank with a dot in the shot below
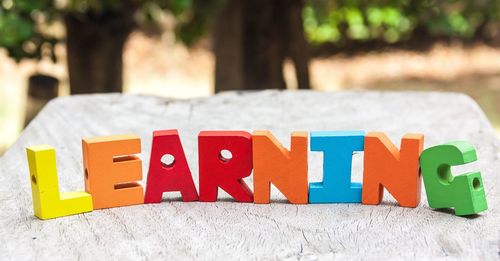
(228, 230)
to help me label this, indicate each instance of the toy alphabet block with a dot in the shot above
(273, 163)
(111, 170)
(337, 148)
(47, 201)
(175, 176)
(464, 192)
(397, 171)
(225, 171)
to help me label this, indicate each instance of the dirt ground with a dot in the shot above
(159, 66)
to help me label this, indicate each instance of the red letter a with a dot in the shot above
(172, 176)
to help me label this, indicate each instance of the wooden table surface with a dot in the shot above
(228, 230)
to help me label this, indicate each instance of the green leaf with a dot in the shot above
(14, 30)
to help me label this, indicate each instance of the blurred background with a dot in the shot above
(194, 48)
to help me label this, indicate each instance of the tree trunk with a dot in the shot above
(252, 39)
(228, 47)
(41, 89)
(298, 47)
(95, 45)
(263, 49)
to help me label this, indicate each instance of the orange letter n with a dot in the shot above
(287, 170)
(397, 171)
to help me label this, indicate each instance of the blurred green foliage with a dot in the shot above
(27, 26)
(18, 33)
(396, 20)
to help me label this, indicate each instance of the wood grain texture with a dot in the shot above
(227, 230)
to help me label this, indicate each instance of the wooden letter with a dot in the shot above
(47, 201)
(397, 171)
(175, 176)
(464, 192)
(219, 170)
(111, 170)
(273, 163)
(338, 148)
